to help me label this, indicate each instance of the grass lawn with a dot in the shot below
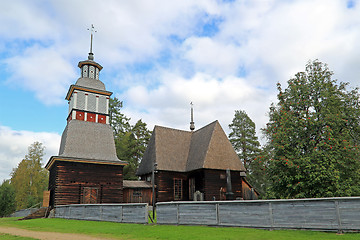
(12, 237)
(138, 231)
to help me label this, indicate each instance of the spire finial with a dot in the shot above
(192, 125)
(92, 30)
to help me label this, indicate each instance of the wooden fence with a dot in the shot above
(125, 213)
(333, 214)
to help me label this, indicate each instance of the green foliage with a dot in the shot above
(245, 142)
(119, 122)
(169, 232)
(314, 134)
(7, 199)
(130, 140)
(243, 138)
(29, 179)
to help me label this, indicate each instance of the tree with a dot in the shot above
(243, 137)
(29, 179)
(314, 135)
(7, 199)
(139, 139)
(119, 122)
(245, 142)
(130, 140)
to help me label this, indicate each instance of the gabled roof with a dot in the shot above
(183, 151)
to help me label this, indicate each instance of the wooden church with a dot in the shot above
(87, 169)
(187, 165)
(194, 165)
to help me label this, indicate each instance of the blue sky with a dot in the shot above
(158, 56)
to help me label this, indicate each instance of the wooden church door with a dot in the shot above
(90, 195)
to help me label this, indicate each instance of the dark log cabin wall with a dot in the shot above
(164, 181)
(215, 184)
(85, 183)
(138, 195)
(249, 192)
(209, 182)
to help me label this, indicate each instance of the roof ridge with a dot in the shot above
(210, 140)
(195, 163)
(172, 129)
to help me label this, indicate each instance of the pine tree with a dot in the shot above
(243, 138)
(314, 134)
(29, 179)
(245, 142)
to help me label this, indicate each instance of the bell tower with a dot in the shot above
(88, 99)
(87, 169)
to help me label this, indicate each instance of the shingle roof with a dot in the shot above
(183, 151)
(90, 83)
(88, 140)
(136, 184)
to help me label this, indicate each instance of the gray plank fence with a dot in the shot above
(333, 214)
(125, 213)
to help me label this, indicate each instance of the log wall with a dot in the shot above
(69, 179)
(165, 185)
(137, 195)
(214, 180)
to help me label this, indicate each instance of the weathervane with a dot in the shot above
(92, 30)
(192, 125)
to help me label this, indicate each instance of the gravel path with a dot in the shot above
(47, 235)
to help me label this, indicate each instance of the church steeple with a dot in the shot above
(88, 98)
(192, 124)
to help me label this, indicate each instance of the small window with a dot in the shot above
(178, 186)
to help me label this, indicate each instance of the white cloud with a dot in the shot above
(21, 19)
(14, 146)
(44, 71)
(211, 56)
(278, 38)
(214, 99)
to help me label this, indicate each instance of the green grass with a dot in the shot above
(12, 237)
(138, 231)
(150, 215)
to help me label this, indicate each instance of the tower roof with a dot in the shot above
(88, 140)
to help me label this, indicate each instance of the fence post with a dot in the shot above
(122, 213)
(271, 218)
(69, 212)
(177, 214)
(84, 211)
(338, 217)
(217, 213)
(147, 213)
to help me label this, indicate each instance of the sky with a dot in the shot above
(160, 55)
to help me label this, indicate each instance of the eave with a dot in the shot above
(53, 159)
(76, 87)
